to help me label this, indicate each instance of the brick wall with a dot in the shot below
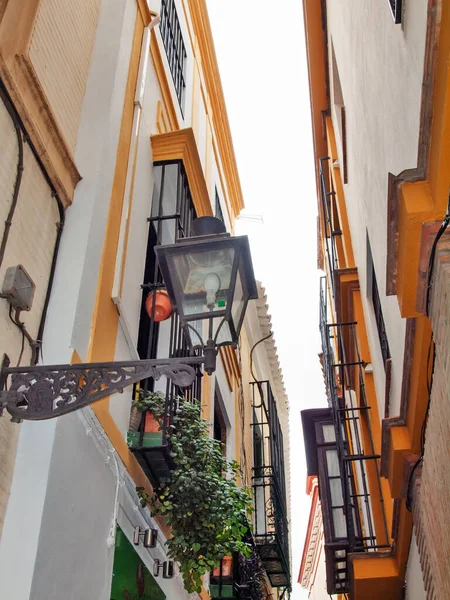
(432, 489)
(60, 51)
(30, 243)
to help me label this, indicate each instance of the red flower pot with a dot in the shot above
(163, 307)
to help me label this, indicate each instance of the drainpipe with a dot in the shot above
(132, 155)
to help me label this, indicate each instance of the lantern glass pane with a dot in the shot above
(204, 277)
(239, 298)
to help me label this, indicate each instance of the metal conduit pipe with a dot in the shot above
(19, 172)
(20, 130)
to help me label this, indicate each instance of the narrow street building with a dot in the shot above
(379, 84)
(114, 140)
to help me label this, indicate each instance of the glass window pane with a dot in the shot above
(328, 433)
(332, 463)
(340, 527)
(336, 492)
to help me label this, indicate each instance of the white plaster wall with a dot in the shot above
(380, 67)
(229, 409)
(414, 581)
(216, 183)
(71, 306)
(319, 587)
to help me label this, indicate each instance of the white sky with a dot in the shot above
(262, 60)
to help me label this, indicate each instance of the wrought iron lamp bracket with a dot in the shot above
(44, 392)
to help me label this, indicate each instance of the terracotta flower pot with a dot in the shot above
(227, 562)
(163, 307)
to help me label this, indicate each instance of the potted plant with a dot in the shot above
(146, 405)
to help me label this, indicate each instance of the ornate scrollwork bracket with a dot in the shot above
(43, 392)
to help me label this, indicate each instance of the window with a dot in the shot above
(374, 295)
(175, 49)
(171, 218)
(396, 8)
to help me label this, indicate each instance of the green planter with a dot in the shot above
(150, 440)
(227, 591)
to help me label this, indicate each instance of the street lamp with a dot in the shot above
(209, 278)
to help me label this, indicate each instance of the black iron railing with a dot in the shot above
(174, 45)
(354, 507)
(269, 486)
(396, 8)
(379, 319)
(330, 221)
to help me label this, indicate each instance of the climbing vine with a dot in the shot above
(201, 500)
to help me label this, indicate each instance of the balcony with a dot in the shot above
(341, 451)
(269, 487)
(149, 443)
(240, 577)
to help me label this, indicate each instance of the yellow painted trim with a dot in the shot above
(339, 189)
(30, 101)
(415, 208)
(206, 398)
(375, 578)
(226, 367)
(316, 55)
(210, 69)
(181, 145)
(163, 82)
(145, 12)
(425, 200)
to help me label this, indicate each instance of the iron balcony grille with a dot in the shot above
(347, 458)
(175, 49)
(330, 220)
(269, 487)
(396, 8)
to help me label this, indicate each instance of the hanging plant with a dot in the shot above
(201, 501)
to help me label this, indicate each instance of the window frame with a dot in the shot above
(175, 48)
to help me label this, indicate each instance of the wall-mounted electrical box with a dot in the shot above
(18, 288)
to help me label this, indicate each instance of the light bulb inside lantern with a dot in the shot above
(212, 286)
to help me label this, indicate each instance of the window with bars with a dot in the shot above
(171, 218)
(374, 295)
(175, 48)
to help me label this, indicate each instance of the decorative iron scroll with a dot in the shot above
(48, 391)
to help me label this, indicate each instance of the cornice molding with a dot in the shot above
(30, 100)
(181, 145)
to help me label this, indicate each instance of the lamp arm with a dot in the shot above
(47, 391)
